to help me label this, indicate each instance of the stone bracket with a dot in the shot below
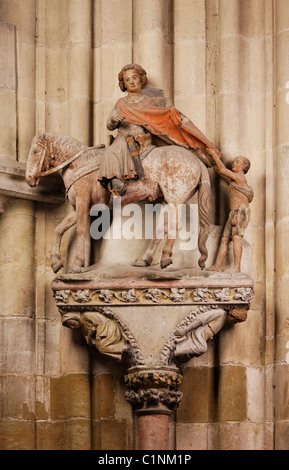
(12, 184)
(114, 316)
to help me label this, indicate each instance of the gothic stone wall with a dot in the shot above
(224, 64)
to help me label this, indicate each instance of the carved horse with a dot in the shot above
(171, 172)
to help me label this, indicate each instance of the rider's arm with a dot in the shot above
(113, 120)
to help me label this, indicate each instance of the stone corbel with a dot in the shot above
(153, 391)
(12, 184)
(153, 375)
(191, 336)
(105, 332)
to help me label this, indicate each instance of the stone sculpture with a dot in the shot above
(172, 172)
(157, 153)
(191, 340)
(99, 331)
(79, 167)
(241, 194)
(138, 117)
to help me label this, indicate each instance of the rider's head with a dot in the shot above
(142, 73)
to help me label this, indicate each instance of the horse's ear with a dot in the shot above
(40, 135)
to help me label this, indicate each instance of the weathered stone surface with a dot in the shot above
(110, 435)
(282, 435)
(17, 435)
(234, 86)
(64, 435)
(192, 436)
(153, 432)
(103, 393)
(199, 403)
(282, 392)
(232, 393)
(69, 396)
(8, 90)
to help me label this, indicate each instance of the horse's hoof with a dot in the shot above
(166, 262)
(75, 269)
(142, 263)
(56, 266)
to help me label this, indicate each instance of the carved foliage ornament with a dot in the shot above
(154, 397)
(156, 296)
(154, 389)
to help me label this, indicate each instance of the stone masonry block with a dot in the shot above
(232, 392)
(109, 435)
(72, 435)
(199, 402)
(16, 435)
(103, 397)
(70, 396)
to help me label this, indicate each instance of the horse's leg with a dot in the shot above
(55, 258)
(82, 210)
(167, 227)
(172, 226)
(147, 258)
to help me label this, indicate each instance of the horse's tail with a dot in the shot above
(204, 204)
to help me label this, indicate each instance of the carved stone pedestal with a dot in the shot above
(153, 323)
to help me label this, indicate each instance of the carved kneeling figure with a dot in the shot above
(99, 331)
(191, 340)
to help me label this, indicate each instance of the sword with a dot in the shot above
(133, 147)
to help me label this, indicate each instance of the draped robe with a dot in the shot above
(144, 117)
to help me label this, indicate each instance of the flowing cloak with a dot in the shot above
(145, 116)
(166, 122)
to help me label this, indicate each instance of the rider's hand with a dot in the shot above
(118, 119)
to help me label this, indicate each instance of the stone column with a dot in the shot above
(17, 241)
(242, 113)
(269, 326)
(54, 69)
(196, 86)
(22, 15)
(8, 90)
(112, 49)
(152, 42)
(190, 60)
(282, 222)
(154, 395)
(17, 340)
(240, 80)
(62, 390)
(79, 70)
(153, 432)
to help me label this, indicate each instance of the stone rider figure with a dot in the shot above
(137, 117)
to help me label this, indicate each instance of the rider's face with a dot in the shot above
(132, 81)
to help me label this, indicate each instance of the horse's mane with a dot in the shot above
(69, 145)
(65, 142)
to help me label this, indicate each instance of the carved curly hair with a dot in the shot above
(138, 68)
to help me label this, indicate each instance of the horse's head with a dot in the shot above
(36, 159)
